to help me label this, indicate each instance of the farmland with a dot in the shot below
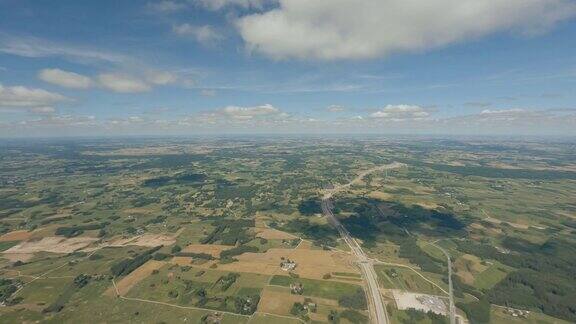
(231, 230)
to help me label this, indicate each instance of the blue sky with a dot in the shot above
(287, 66)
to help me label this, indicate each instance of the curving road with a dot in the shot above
(377, 308)
(452, 309)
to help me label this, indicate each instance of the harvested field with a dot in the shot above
(274, 234)
(147, 240)
(212, 249)
(51, 244)
(380, 195)
(311, 264)
(16, 236)
(13, 257)
(134, 277)
(468, 267)
(276, 301)
(427, 205)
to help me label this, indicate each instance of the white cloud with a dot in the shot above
(335, 108)
(35, 47)
(237, 112)
(206, 34)
(161, 77)
(401, 113)
(65, 79)
(208, 92)
(502, 112)
(122, 83)
(23, 97)
(219, 4)
(42, 110)
(165, 6)
(351, 29)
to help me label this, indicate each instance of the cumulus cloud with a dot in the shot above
(208, 92)
(335, 108)
(219, 4)
(122, 83)
(350, 29)
(237, 112)
(23, 97)
(205, 34)
(161, 77)
(36, 47)
(401, 113)
(516, 120)
(65, 79)
(42, 110)
(165, 6)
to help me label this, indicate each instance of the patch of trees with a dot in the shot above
(417, 218)
(126, 266)
(551, 294)
(545, 280)
(203, 256)
(181, 179)
(395, 221)
(230, 232)
(143, 200)
(237, 251)
(356, 300)
(7, 288)
(157, 220)
(477, 311)
(246, 305)
(411, 251)
(350, 315)
(231, 192)
(226, 281)
(76, 230)
(362, 227)
(321, 234)
(309, 207)
(418, 316)
(51, 220)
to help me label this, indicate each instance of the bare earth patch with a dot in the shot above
(278, 302)
(428, 205)
(51, 244)
(148, 240)
(13, 257)
(274, 234)
(407, 300)
(16, 236)
(467, 267)
(134, 277)
(380, 195)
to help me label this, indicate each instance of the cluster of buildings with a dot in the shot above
(288, 265)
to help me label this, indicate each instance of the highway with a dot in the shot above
(452, 309)
(377, 309)
(375, 302)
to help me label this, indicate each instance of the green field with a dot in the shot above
(407, 279)
(502, 209)
(317, 288)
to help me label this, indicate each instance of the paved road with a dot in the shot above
(452, 309)
(376, 304)
(377, 308)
